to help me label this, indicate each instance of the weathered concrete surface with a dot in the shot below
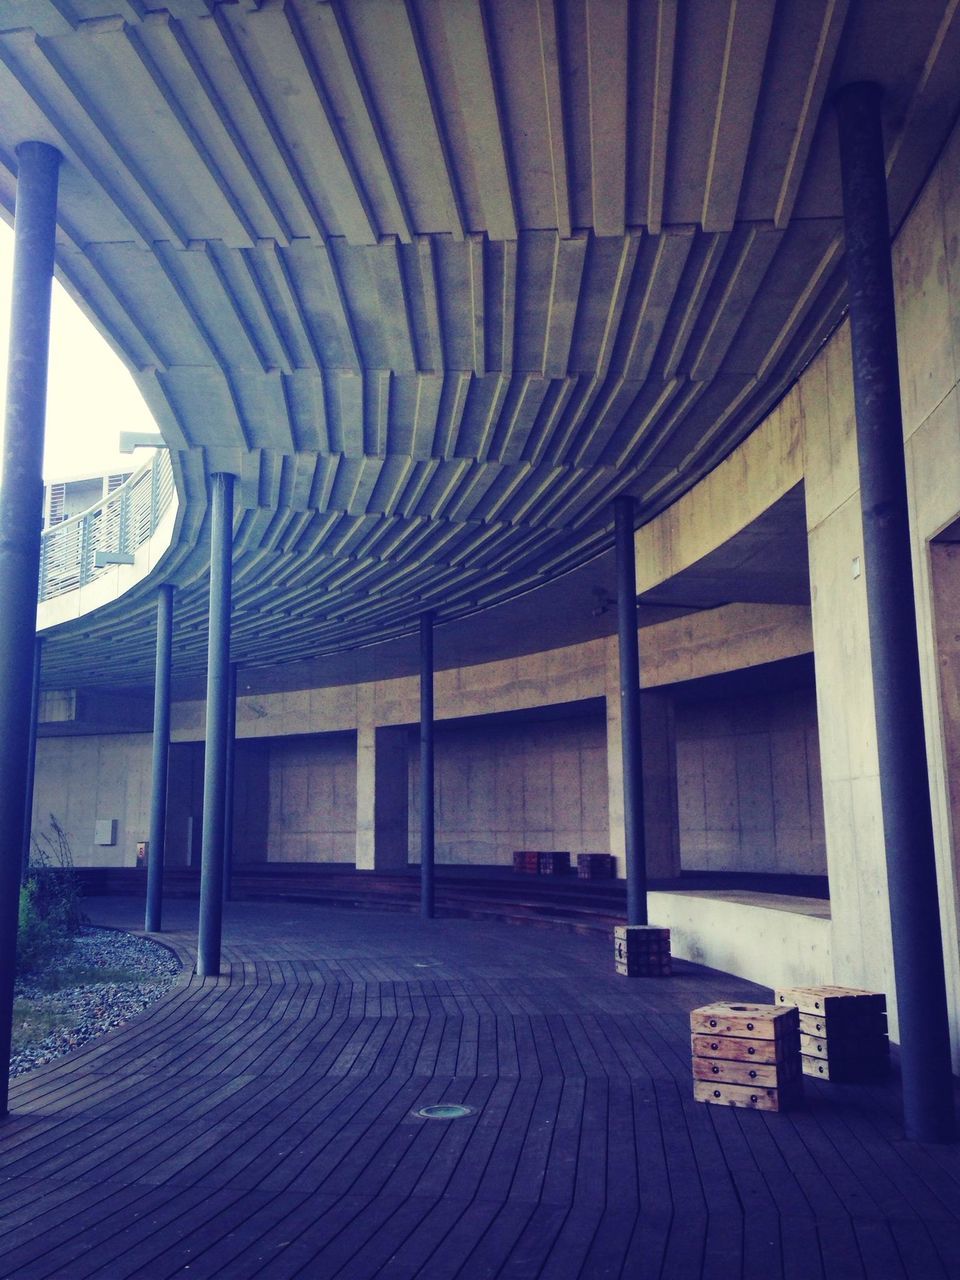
(502, 786)
(381, 790)
(81, 780)
(748, 785)
(771, 940)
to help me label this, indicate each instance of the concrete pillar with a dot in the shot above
(382, 798)
(427, 813)
(229, 802)
(161, 756)
(904, 785)
(21, 510)
(215, 749)
(31, 756)
(630, 734)
(658, 745)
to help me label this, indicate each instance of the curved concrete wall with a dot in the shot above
(808, 439)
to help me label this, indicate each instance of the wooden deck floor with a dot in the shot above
(262, 1125)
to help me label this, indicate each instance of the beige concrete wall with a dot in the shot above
(312, 813)
(83, 779)
(778, 943)
(751, 479)
(748, 784)
(811, 436)
(927, 283)
(382, 782)
(501, 787)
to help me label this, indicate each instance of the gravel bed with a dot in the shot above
(95, 1008)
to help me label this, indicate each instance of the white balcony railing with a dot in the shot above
(81, 549)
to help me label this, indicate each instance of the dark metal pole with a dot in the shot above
(636, 854)
(231, 783)
(161, 755)
(904, 784)
(215, 750)
(426, 767)
(31, 758)
(21, 513)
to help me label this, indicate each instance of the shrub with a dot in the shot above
(50, 910)
(38, 939)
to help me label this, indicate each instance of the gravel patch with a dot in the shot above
(94, 1008)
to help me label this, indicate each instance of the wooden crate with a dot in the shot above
(526, 861)
(768, 1074)
(735, 1049)
(841, 1006)
(595, 866)
(746, 1055)
(642, 950)
(843, 1032)
(746, 1021)
(554, 864)
(753, 1096)
(844, 1071)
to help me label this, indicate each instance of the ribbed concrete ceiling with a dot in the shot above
(436, 278)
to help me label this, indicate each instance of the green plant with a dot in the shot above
(50, 910)
(38, 939)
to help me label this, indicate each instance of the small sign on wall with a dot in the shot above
(105, 831)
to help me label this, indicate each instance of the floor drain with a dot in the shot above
(445, 1111)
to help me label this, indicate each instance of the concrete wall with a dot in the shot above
(506, 786)
(312, 800)
(85, 779)
(811, 436)
(776, 942)
(748, 784)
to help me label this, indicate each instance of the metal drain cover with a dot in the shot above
(445, 1111)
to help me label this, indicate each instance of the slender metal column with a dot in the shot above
(231, 784)
(21, 510)
(905, 790)
(31, 758)
(215, 750)
(161, 755)
(426, 767)
(635, 848)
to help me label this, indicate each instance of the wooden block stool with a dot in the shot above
(526, 861)
(642, 950)
(843, 1032)
(595, 866)
(747, 1055)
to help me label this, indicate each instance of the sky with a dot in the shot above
(90, 396)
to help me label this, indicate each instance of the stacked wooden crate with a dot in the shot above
(843, 1032)
(642, 950)
(526, 861)
(595, 866)
(747, 1055)
(554, 863)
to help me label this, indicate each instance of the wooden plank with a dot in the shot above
(263, 1124)
(746, 1020)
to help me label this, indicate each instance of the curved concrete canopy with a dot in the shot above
(437, 279)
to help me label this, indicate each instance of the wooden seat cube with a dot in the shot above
(746, 1055)
(642, 950)
(843, 1032)
(526, 861)
(554, 863)
(595, 866)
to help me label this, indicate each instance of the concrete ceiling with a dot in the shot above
(764, 563)
(438, 279)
